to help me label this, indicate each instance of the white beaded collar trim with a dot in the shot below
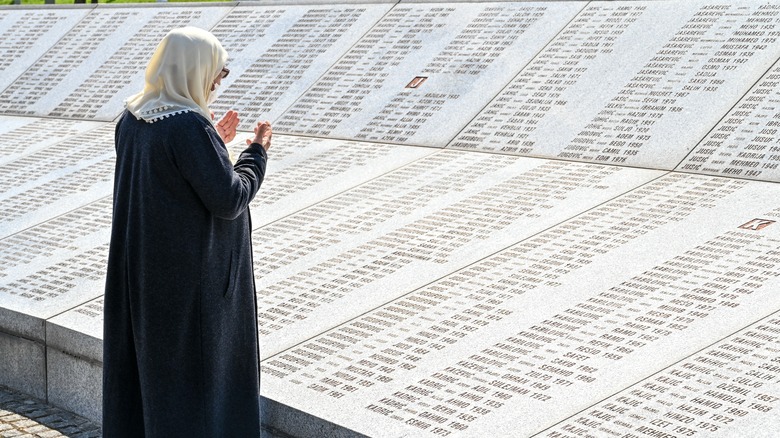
(163, 112)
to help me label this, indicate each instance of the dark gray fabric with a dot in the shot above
(180, 349)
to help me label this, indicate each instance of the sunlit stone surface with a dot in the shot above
(554, 219)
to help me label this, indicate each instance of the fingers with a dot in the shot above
(232, 118)
(229, 120)
(263, 134)
(226, 127)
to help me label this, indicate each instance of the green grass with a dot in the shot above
(70, 2)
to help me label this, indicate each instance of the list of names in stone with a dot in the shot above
(523, 339)
(26, 34)
(276, 53)
(425, 70)
(58, 287)
(355, 251)
(638, 83)
(78, 170)
(48, 243)
(49, 267)
(90, 72)
(744, 144)
(20, 136)
(307, 170)
(728, 389)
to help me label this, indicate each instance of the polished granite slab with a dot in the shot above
(744, 143)
(71, 173)
(53, 270)
(27, 33)
(529, 336)
(425, 70)
(635, 83)
(92, 69)
(277, 52)
(729, 388)
(414, 291)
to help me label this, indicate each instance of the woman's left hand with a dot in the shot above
(226, 127)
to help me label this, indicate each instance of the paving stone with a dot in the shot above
(24, 416)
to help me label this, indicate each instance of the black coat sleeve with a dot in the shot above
(202, 158)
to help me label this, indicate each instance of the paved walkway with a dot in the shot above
(23, 416)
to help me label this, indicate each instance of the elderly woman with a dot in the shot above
(180, 348)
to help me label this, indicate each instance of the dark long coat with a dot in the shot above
(180, 347)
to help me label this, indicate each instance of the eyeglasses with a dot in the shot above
(224, 73)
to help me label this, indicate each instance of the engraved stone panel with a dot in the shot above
(52, 267)
(728, 389)
(91, 71)
(425, 70)
(25, 34)
(637, 83)
(61, 285)
(745, 142)
(302, 171)
(369, 244)
(531, 335)
(21, 136)
(411, 291)
(276, 53)
(366, 246)
(77, 170)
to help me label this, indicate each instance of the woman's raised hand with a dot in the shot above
(226, 127)
(262, 135)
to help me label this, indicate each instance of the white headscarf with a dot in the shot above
(180, 75)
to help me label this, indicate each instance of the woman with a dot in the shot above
(180, 349)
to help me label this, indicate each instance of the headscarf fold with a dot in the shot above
(179, 76)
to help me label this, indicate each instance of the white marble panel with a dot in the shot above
(371, 244)
(26, 34)
(28, 297)
(745, 142)
(52, 267)
(276, 53)
(637, 82)
(20, 136)
(98, 64)
(425, 70)
(72, 173)
(527, 337)
(728, 389)
(406, 227)
(302, 171)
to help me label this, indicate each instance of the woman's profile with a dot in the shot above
(180, 347)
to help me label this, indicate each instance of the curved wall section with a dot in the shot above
(544, 218)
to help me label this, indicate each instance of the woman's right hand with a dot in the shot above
(262, 135)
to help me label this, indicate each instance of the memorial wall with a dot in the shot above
(510, 219)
